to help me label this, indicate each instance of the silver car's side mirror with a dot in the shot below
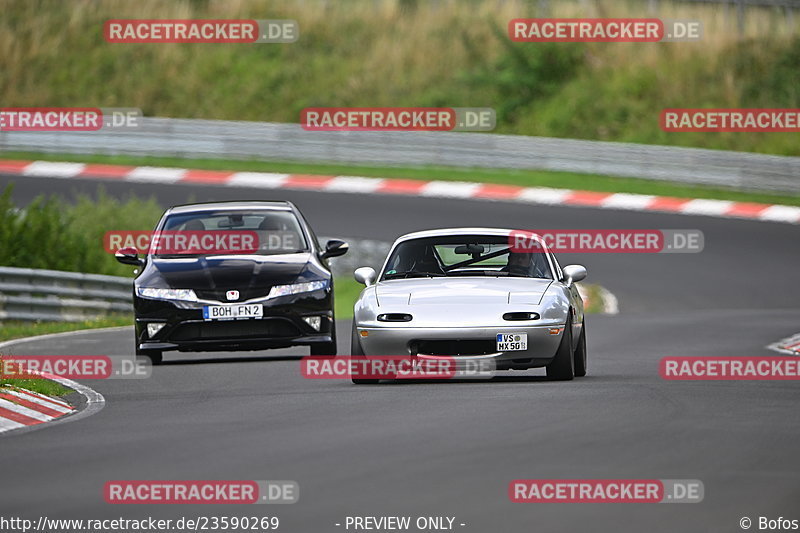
(365, 275)
(573, 273)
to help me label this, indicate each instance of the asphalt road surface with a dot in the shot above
(451, 449)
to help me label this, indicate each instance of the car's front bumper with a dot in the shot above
(464, 344)
(281, 326)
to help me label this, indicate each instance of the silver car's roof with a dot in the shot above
(449, 232)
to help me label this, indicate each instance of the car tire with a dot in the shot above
(562, 367)
(156, 356)
(327, 348)
(355, 352)
(580, 354)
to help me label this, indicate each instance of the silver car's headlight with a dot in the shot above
(184, 295)
(296, 288)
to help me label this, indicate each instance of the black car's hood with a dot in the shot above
(212, 276)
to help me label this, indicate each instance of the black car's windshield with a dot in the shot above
(263, 232)
(452, 256)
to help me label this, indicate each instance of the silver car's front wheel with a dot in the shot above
(562, 367)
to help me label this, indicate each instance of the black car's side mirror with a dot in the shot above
(129, 256)
(335, 248)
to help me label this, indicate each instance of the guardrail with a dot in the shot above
(787, 5)
(54, 296)
(289, 142)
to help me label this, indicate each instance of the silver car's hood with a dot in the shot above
(479, 291)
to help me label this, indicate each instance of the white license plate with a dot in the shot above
(512, 342)
(230, 312)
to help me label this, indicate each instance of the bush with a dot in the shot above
(56, 234)
(525, 75)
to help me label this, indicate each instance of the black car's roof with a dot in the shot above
(275, 205)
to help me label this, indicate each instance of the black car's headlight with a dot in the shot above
(181, 295)
(296, 288)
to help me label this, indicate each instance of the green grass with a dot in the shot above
(525, 178)
(346, 291)
(41, 386)
(14, 329)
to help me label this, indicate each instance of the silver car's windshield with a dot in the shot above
(464, 255)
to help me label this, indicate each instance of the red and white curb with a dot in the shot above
(21, 408)
(432, 189)
(92, 402)
(789, 345)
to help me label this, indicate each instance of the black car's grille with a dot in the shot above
(455, 347)
(244, 293)
(273, 327)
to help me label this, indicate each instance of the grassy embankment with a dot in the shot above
(411, 53)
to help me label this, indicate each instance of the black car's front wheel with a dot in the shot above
(326, 348)
(155, 356)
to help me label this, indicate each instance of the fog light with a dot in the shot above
(555, 331)
(313, 321)
(154, 328)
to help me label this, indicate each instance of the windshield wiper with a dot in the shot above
(413, 274)
(494, 273)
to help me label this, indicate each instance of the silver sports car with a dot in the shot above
(465, 294)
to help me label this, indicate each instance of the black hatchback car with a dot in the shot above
(278, 293)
